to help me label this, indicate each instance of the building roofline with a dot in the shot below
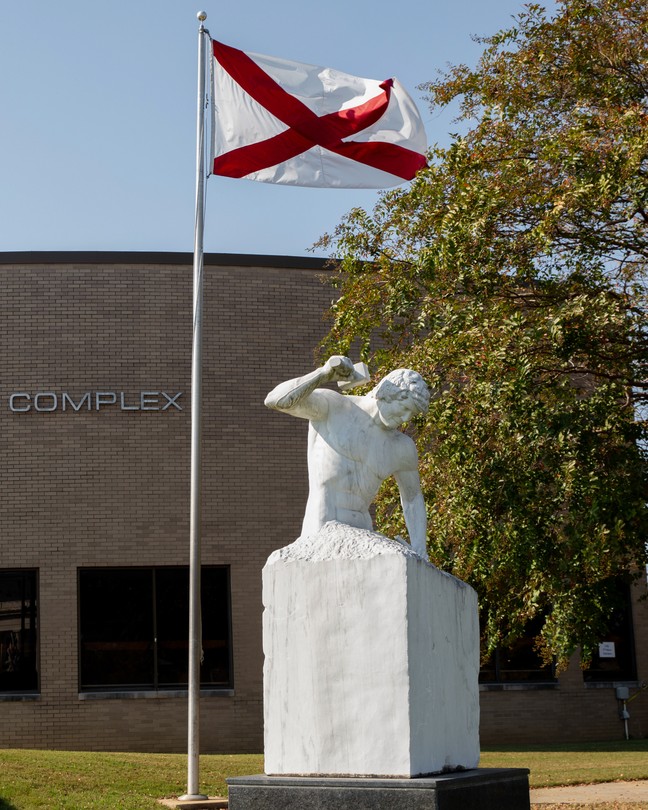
(159, 257)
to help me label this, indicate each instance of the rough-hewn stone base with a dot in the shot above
(371, 660)
(480, 789)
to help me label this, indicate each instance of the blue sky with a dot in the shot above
(97, 143)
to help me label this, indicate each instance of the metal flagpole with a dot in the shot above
(195, 629)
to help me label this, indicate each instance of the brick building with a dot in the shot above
(94, 415)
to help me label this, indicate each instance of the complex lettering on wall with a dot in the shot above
(49, 401)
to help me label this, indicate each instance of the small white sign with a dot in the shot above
(607, 650)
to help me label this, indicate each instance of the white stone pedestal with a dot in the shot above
(371, 660)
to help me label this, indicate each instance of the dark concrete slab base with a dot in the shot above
(480, 789)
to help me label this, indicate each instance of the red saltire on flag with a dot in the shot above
(278, 121)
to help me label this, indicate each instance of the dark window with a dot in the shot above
(18, 631)
(134, 622)
(519, 663)
(615, 659)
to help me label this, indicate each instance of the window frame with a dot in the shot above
(596, 677)
(155, 685)
(546, 675)
(35, 630)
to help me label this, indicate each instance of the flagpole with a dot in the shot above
(195, 629)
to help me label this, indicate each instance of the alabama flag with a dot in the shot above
(278, 121)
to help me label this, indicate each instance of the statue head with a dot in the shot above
(404, 387)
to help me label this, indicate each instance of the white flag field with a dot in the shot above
(278, 121)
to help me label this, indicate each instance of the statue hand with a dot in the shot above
(339, 367)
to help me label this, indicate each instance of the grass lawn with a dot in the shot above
(64, 780)
(574, 764)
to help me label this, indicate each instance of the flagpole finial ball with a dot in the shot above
(202, 16)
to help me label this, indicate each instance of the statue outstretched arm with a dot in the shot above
(300, 397)
(414, 509)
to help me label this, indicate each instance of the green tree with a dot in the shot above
(512, 274)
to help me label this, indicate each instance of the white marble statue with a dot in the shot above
(354, 444)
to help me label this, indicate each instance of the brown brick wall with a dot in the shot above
(111, 487)
(570, 711)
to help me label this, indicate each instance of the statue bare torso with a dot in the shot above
(349, 457)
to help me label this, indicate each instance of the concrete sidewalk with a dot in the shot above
(636, 791)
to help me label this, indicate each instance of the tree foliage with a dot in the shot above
(512, 274)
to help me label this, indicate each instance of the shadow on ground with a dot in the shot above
(5, 805)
